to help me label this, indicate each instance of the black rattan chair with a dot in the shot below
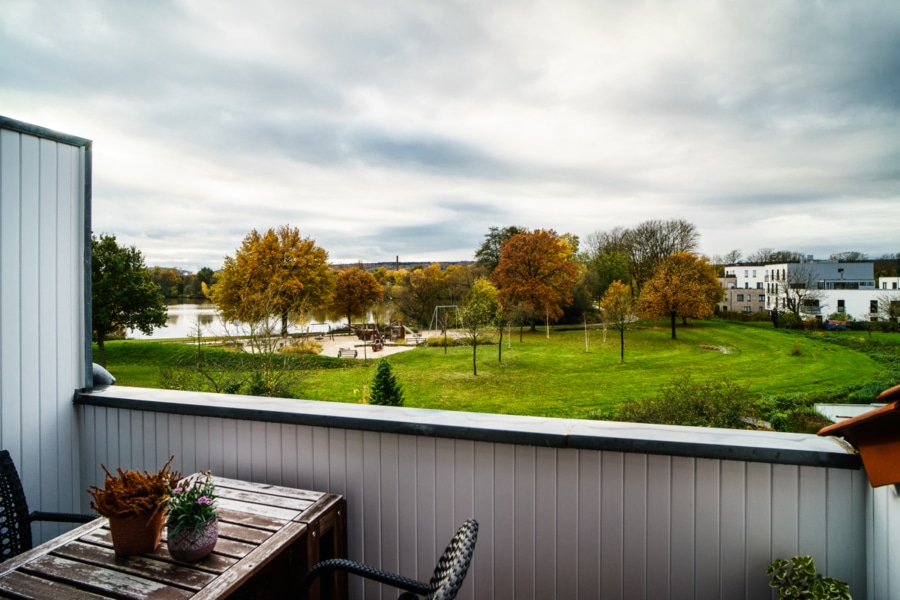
(445, 582)
(15, 520)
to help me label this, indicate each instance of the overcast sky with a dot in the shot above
(408, 128)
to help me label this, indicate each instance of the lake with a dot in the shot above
(184, 318)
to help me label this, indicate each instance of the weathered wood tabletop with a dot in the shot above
(269, 537)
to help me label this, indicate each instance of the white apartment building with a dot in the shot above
(841, 287)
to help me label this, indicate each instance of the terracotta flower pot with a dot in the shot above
(137, 535)
(189, 545)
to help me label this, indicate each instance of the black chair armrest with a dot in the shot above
(56, 517)
(367, 572)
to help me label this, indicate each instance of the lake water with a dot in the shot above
(185, 317)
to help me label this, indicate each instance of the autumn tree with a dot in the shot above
(480, 311)
(617, 306)
(123, 295)
(276, 274)
(536, 272)
(488, 254)
(420, 291)
(685, 286)
(355, 290)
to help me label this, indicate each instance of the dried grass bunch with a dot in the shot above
(132, 493)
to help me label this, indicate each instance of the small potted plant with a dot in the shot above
(798, 578)
(193, 525)
(135, 504)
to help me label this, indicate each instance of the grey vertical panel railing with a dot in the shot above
(567, 509)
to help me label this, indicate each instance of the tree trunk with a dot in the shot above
(622, 345)
(500, 346)
(474, 349)
(101, 352)
(673, 326)
(284, 324)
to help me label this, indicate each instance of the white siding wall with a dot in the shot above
(41, 315)
(555, 523)
(884, 542)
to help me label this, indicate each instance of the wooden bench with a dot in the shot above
(349, 352)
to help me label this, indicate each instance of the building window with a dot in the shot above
(873, 306)
(740, 298)
(745, 272)
(746, 309)
(895, 285)
(841, 306)
(754, 272)
(746, 285)
(762, 297)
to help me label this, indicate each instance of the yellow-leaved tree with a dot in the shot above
(617, 305)
(684, 285)
(355, 291)
(277, 274)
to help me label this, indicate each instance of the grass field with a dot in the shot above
(556, 377)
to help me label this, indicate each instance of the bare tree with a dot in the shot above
(889, 310)
(651, 242)
(798, 290)
(733, 257)
(850, 256)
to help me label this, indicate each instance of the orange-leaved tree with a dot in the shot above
(617, 305)
(684, 285)
(355, 290)
(275, 274)
(536, 272)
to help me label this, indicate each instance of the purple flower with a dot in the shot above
(177, 490)
(203, 500)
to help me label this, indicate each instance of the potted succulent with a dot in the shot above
(135, 504)
(193, 525)
(798, 578)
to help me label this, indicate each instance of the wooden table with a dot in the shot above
(269, 537)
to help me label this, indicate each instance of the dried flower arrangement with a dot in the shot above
(192, 504)
(132, 493)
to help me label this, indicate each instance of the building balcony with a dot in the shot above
(567, 508)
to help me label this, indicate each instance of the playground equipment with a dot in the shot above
(445, 317)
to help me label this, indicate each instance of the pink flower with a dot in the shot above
(203, 500)
(177, 490)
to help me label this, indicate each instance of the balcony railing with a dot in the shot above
(568, 509)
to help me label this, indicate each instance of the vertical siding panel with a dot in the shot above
(10, 307)
(839, 530)
(879, 554)
(813, 516)
(305, 458)
(859, 532)
(29, 463)
(732, 548)
(444, 523)
(407, 511)
(320, 457)
(356, 499)
(612, 510)
(892, 552)
(463, 502)
(188, 444)
(503, 535)
(785, 510)
(524, 523)
(426, 499)
(659, 526)
(758, 527)
(546, 531)
(589, 524)
(390, 519)
(337, 459)
(707, 518)
(259, 470)
(201, 445)
(371, 512)
(634, 519)
(289, 459)
(567, 531)
(683, 527)
(485, 495)
(48, 326)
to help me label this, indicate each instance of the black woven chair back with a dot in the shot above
(15, 525)
(451, 568)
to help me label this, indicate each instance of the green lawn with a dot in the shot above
(556, 377)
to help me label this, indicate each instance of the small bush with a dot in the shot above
(304, 347)
(440, 342)
(789, 320)
(685, 402)
(798, 578)
(385, 389)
